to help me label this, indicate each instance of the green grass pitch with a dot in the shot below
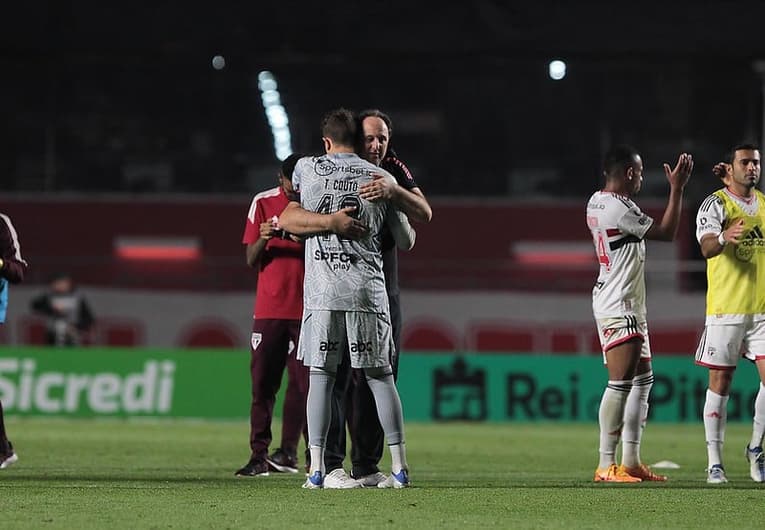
(132, 474)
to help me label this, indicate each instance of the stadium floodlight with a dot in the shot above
(283, 152)
(270, 97)
(266, 81)
(282, 135)
(557, 70)
(219, 62)
(276, 114)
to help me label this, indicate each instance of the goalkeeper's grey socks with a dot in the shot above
(318, 414)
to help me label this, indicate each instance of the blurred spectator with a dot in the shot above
(68, 315)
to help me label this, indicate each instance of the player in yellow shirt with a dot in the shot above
(729, 227)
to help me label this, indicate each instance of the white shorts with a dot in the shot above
(618, 330)
(721, 346)
(325, 335)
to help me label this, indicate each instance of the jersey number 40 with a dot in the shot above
(326, 204)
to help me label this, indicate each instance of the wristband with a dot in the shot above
(721, 239)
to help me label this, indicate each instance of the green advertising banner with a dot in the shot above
(520, 387)
(125, 382)
(215, 384)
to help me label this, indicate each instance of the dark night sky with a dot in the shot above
(99, 92)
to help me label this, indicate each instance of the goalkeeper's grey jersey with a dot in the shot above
(341, 274)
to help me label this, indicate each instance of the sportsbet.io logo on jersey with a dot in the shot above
(753, 241)
(324, 167)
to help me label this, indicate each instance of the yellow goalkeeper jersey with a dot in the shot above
(736, 276)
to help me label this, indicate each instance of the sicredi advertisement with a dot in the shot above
(89, 382)
(215, 384)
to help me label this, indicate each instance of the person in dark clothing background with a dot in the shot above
(352, 400)
(68, 316)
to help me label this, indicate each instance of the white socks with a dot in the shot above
(758, 425)
(610, 419)
(715, 416)
(398, 457)
(635, 416)
(317, 459)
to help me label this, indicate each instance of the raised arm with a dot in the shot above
(666, 229)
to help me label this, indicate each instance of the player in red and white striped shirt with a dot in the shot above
(619, 230)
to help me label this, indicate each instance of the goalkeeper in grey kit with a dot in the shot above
(345, 302)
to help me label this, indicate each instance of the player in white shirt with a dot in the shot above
(345, 301)
(619, 230)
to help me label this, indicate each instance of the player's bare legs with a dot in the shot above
(621, 362)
